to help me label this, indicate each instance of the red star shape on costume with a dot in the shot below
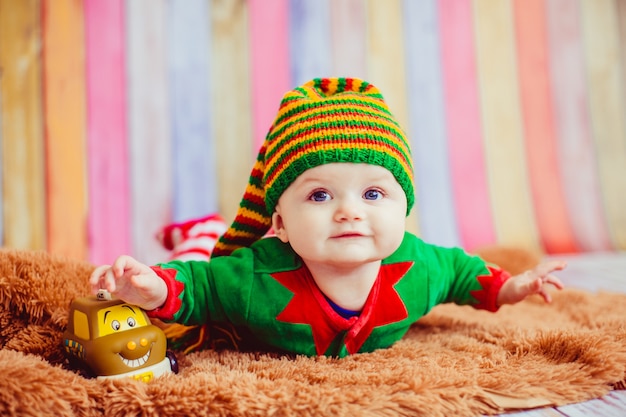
(174, 289)
(309, 306)
(491, 283)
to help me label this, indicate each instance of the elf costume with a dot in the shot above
(263, 285)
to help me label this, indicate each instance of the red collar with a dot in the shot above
(309, 306)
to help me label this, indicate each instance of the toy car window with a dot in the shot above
(119, 318)
(81, 325)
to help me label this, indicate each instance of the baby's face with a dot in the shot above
(342, 214)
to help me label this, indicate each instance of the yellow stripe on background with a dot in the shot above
(502, 124)
(621, 16)
(386, 69)
(64, 104)
(231, 103)
(606, 102)
(22, 126)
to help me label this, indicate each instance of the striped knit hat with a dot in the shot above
(323, 121)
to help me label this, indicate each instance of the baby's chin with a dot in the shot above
(346, 262)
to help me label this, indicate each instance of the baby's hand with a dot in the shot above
(531, 282)
(131, 281)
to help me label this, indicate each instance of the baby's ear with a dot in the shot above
(278, 226)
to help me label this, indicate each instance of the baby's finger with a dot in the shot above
(109, 282)
(545, 268)
(119, 266)
(94, 286)
(124, 264)
(97, 278)
(97, 273)
(546, 295)
(551, 279)
(106, 281)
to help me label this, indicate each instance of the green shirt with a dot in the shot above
(267, 289)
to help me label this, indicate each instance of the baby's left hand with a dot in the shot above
(518, 287)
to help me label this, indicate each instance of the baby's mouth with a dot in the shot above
(348, 235)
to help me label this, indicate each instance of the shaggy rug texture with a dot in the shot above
(455, 361)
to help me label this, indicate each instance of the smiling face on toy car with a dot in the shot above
(129, 335)
(113, 337)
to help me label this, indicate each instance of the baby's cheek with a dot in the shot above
(390, 244)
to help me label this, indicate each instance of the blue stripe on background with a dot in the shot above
(309, 40)
(194, 182)
(427, 123)
(149, 126)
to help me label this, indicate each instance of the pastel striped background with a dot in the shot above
(118, 117)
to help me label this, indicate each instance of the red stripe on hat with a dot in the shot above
(256, 173)
(250, 222)
(392, 136)
(369, 114)
(324, 84)
(254, 198)
(294, 153)
(347, 101)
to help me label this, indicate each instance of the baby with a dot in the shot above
(334, 180)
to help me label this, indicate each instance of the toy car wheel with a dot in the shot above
(173, 361)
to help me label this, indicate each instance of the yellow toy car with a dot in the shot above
(115, 339)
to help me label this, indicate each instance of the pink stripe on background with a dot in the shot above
(269, 66)
(462, 111)
(540, 137)
(576, 150)
(107, 155)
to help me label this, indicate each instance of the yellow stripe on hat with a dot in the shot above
(320, 122)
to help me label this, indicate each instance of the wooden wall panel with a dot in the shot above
(269, 63)
(348, 20)
(606, 101)
(108, 170)
(120, 116)
(148, 126)
(540, 140)
(464, 131)
(621, 16)
(427, 123)
(234, 153)
(502, 124)
(65, 124)
(23, 185)
(577, 155)
(194, 179)
(309, 40)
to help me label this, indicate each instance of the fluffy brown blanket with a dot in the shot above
(455, 361)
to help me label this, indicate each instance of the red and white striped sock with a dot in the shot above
(193, 239)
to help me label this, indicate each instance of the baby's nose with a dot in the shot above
(349, 211)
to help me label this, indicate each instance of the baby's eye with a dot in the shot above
(373, 194)
(319, 196)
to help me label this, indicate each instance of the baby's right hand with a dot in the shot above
(131, 281)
